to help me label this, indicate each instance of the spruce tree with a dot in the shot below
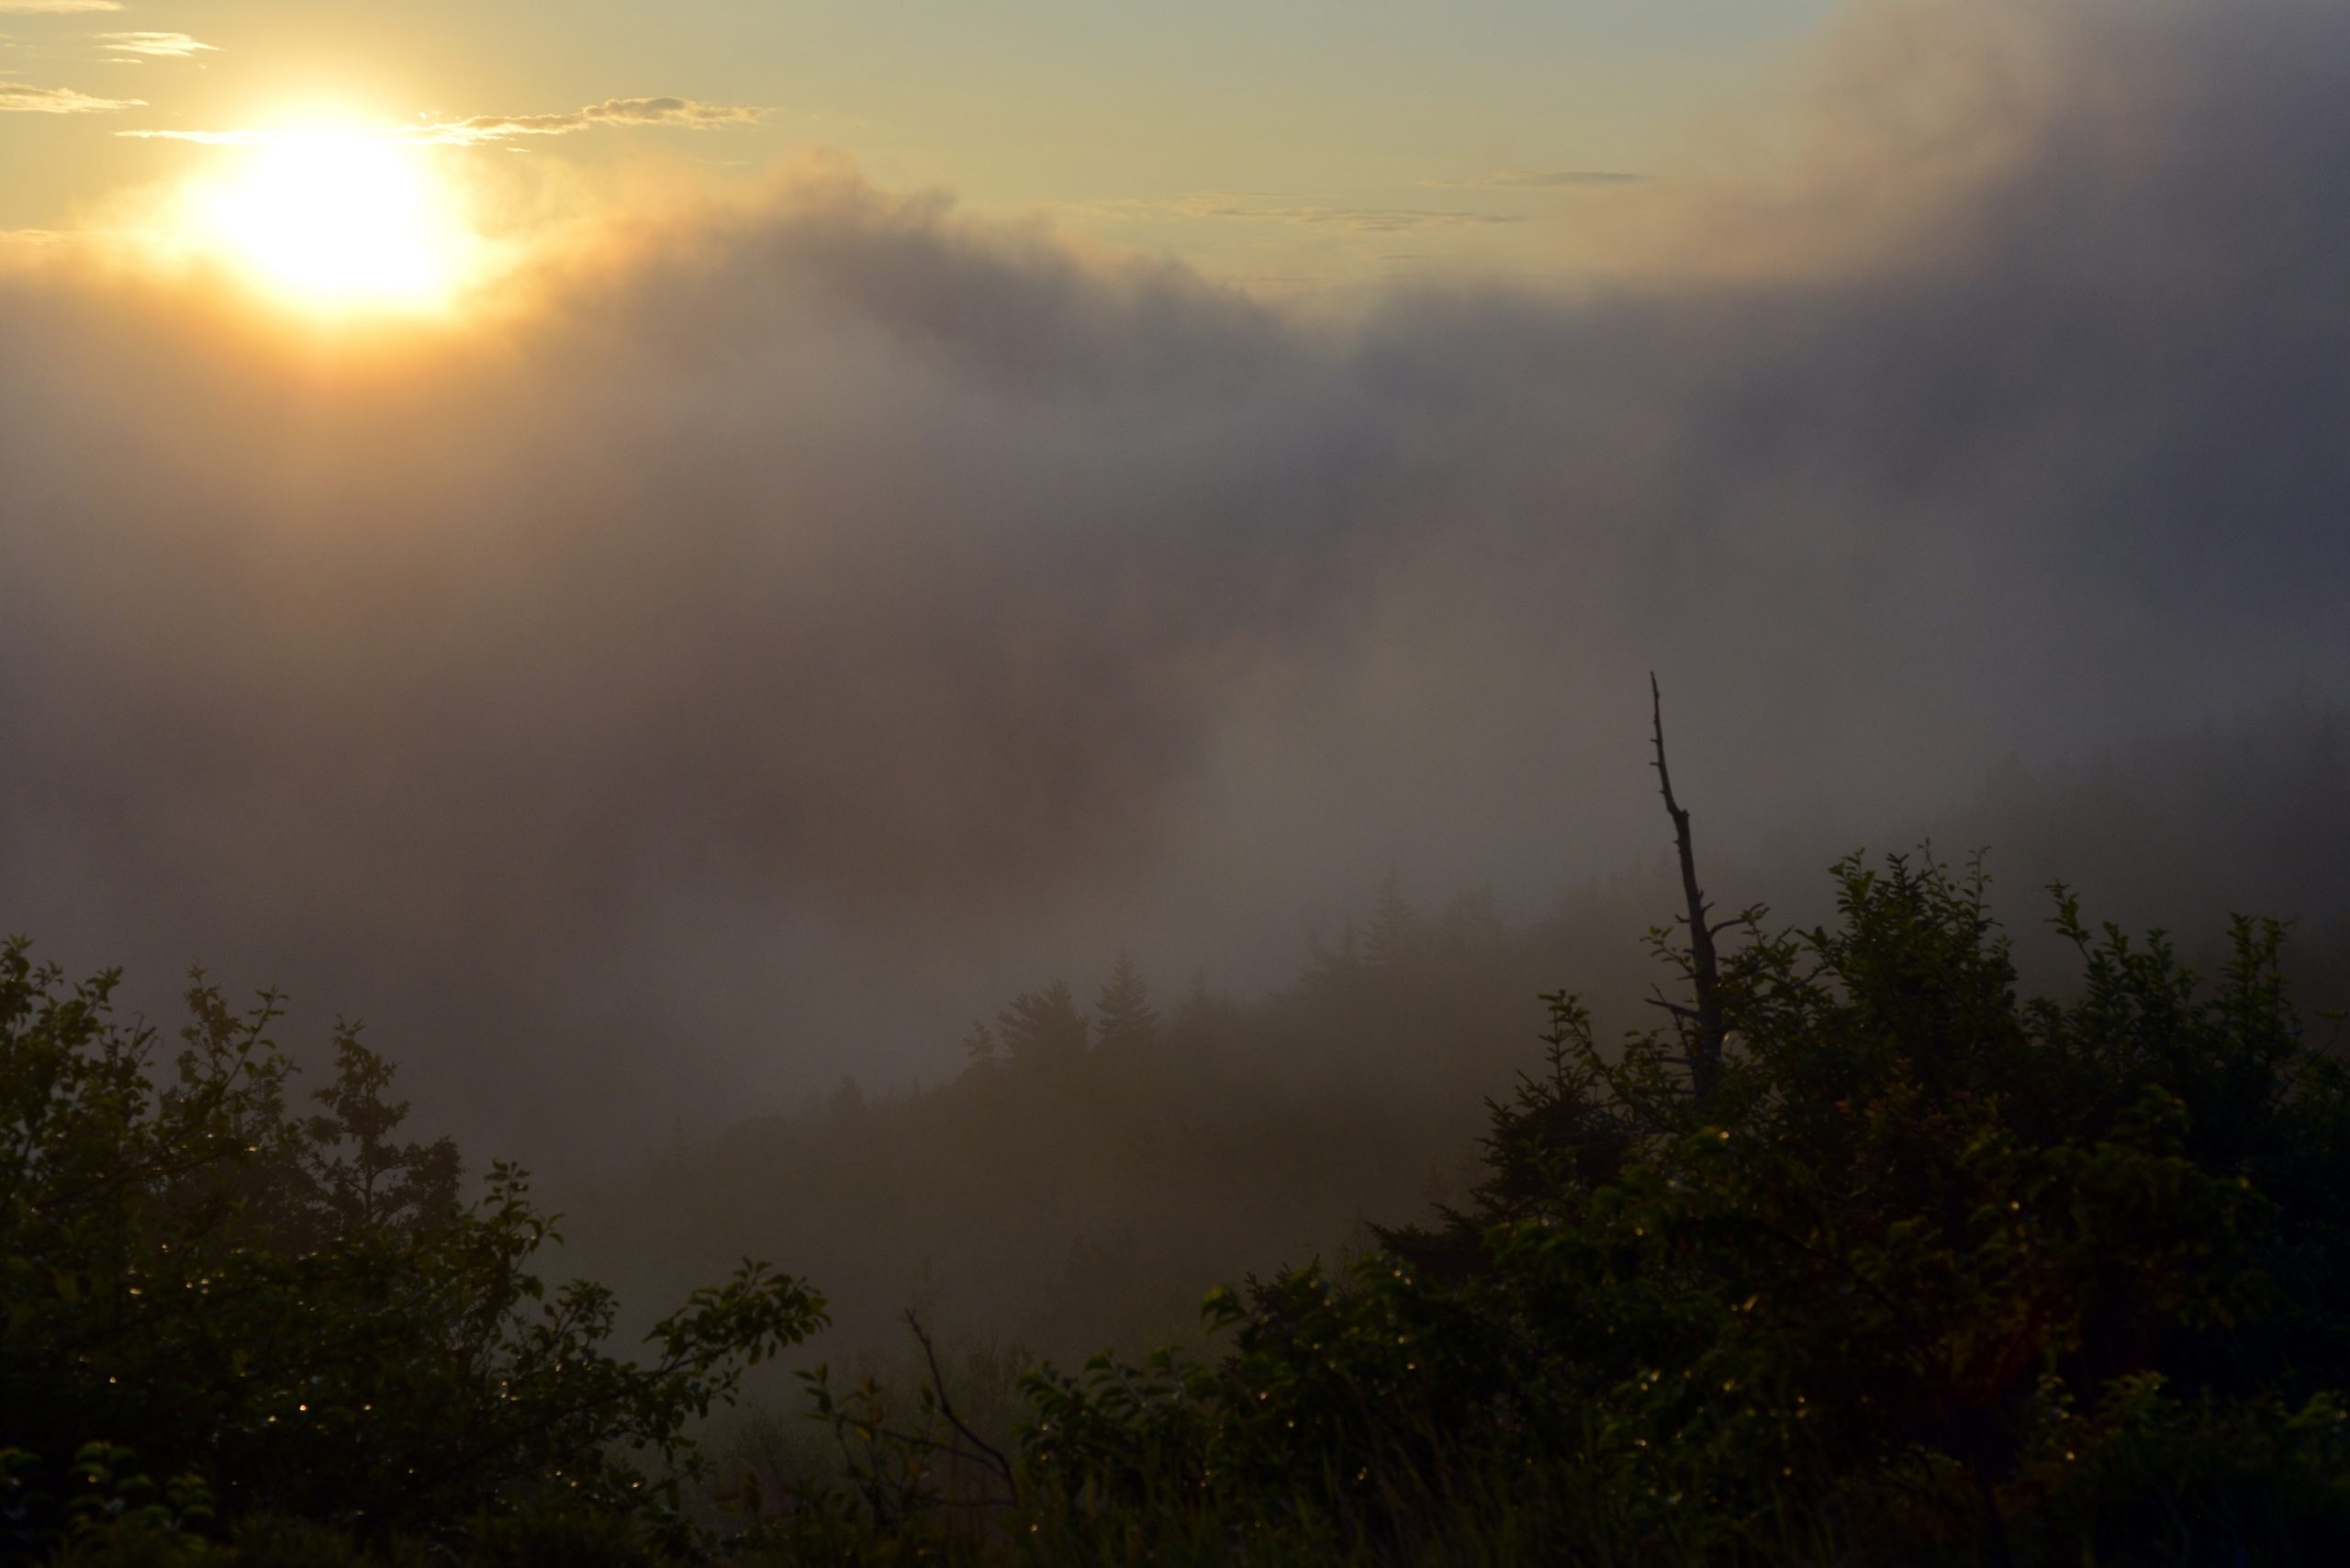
(1332, 966)
(1395, 927)
(1129, 1020)
(1043, 1026)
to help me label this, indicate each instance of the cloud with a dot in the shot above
(1360, 219)
(1275, 209)
(811, 626)
(249, 137)
(16, 97)
(56, 7)
(1537, 179)
(153, 46)
(481, 128)
(611, 111)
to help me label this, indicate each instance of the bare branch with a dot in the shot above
(946, 1408)
(1704, 1037)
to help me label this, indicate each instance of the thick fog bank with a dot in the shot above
(793, 637)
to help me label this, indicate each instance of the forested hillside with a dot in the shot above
(1852, 1248)
(1076, 1178)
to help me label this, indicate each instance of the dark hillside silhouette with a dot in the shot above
(1867, 1253)
(1259, 1130)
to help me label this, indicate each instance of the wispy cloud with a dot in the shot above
(681, 112)
(1537, 180)
(153, 46)
(213, 137)
(1276, 208)
(1367, 220)
(16, 97)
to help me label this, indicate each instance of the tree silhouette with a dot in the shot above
(848, 1099)
(1043, 1026)
(1395, 927)
(1935, 1273)
(364, 1174)
(215, 1304)
(1129, 1020)
(1332, 966)
(1700, 1023)
(1470, 924)
(1199, 1017)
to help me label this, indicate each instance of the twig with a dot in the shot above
(946, 1407)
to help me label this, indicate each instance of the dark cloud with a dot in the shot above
(772, 646)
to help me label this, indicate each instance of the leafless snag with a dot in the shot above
(1702, 1029)
(994, 1455)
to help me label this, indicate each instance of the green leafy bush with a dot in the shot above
(1927, 1272)
(302, 1315)
(1933, 1272)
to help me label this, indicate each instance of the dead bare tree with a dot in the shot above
(1699, 1020)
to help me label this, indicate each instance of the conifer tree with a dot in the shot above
(1129, 1020)
(1043, 1026)
(848, 1099)
(1332, 965)
(1200, 1016)
(1395, 934)
(979, 1044)
(1470, 924)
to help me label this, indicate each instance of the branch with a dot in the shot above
(946, 1408)
(1705, 1038)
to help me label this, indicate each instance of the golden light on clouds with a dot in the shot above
(336, 219)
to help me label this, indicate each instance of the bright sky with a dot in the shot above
(1266, 140)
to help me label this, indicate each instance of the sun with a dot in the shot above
(339, 219)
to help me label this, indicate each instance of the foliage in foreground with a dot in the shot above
(1932, 1274)
(300, 1315)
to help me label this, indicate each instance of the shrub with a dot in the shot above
(1930, 1270)
(303, 1314)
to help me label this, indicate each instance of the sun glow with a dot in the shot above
(339, 219)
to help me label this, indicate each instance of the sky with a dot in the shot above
(661, 561)
(1287, 145)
